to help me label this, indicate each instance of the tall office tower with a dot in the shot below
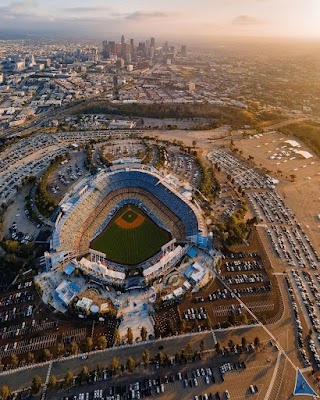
(151, 52)
(127, 48)
(148, 44)
(165, 48)
(142, 49)
(184, 50)
(120, 63)
(152, 42)
(119, 49)
(105, 49)
(31, 59)
(171, 49)
(112, 47)
(123, 45)
(132, 46)
(128, 58)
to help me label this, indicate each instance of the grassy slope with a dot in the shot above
(223, 114)
(308, 132)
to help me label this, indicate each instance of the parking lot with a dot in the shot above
(66, 175)
(127, 148)
(307, 295)
(299, 177)
(247, 278)
(208, 379)
(34, 165)
(287, 237)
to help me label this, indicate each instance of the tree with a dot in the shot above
(244, 342)
(74, 347)
(68, 379)
(244, 319)
(170, 326)
(177, 357)
(189, 348)
(5, 392)
(143, 333)
(256, 342)
(84, 374)
(36, 384)
(60, 349)
(114, 366)
(117, 337)
(194, 143)
(293, 177)
(52, 381)
(182, 325)
(46, 355)
(218, 347)
(30, 357)
(14, 360)
(146, 357)
(160, 358)
(100, 369)
(89, 343)
(130, 335)
(102, 342)
(202, 346)
(130, 364)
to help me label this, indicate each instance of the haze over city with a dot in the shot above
(280, 18)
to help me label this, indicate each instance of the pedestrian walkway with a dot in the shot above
(44, 392)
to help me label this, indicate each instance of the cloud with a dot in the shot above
(246, 20)
(85, 10)
(138, 15)
(18, 9)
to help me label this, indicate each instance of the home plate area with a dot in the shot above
(130, 220)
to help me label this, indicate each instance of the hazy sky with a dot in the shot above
(297, 18)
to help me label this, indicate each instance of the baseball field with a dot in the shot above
(131, 237)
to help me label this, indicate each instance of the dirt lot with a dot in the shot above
(301, 191)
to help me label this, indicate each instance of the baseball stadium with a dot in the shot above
(123, 219)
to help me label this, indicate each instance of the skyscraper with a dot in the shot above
(112, 47)
(123, 45)
(152, 42)
(184, 50)
(105, 49)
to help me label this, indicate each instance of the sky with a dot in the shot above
(98, 18)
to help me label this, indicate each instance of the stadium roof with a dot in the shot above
(101, 270)
(196, 272)
(164, 260)
(66, 291)
(192, 252)
(69, 269)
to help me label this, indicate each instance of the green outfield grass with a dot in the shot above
(130, 246)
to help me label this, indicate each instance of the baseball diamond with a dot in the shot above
(131, 237)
